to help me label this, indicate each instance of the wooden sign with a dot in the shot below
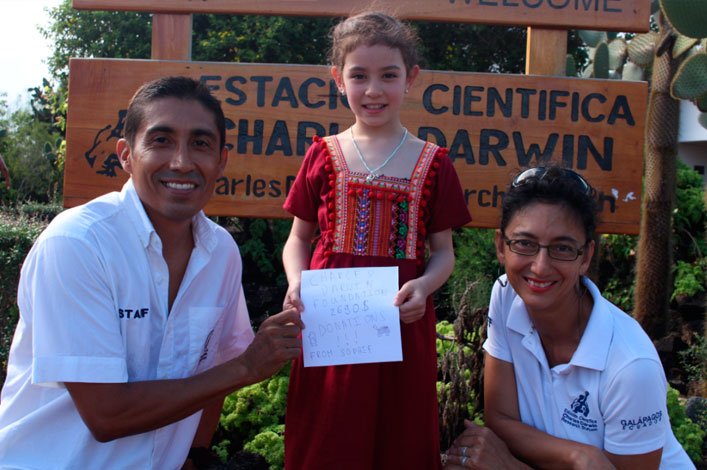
(616, 15)
(493, 124)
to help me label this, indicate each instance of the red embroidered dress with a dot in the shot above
(381, 415)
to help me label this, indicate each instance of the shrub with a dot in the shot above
(616, 269)
(270, 443)
(476, 265)
(694, 362)
(689, 434)
(16, 239)
(251, 417)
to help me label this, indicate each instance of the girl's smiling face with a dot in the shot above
(546, 285)
(375, 81)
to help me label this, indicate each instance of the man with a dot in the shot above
(132, 315)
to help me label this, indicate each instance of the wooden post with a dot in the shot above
(171, 36)
(546, 52)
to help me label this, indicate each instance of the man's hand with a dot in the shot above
(276, 342)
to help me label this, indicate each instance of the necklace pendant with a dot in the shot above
(371, 177)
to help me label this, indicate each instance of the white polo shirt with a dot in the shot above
(611, 395)
(93, 298)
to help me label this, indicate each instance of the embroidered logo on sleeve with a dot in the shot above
(578, 412)
(642, 421)
(205, 352)
(130, 313)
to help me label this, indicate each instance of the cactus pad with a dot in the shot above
(689, 17)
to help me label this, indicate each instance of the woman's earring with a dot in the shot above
(407, 90)
(342, 91)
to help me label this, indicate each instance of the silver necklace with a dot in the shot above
(373, 173)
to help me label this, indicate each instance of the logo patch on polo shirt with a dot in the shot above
(130, 313)
(642, 421)
(576, 415)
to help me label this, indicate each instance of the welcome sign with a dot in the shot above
(492, 124)
(618, 15)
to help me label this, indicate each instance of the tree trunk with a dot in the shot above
(654, 257)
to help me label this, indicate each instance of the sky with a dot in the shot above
(23, 50)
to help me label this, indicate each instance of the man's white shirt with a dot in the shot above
(93, 300)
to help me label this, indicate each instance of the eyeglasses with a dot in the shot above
(541, 172)
(557, 251)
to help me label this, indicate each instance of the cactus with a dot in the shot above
(632, 72)
(593, 38)
(683, 44)
(641, 49)
(690, 81)
(618, 51)
(570, 66)
(611, 56)
(601, 61)
(688, 17)
(675, 56)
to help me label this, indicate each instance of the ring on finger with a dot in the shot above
(463, 460)
(463, 450)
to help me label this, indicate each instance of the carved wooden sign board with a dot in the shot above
(616, 15)
(493, 125)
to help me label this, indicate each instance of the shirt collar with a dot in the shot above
(593, 348)
(518, 318)
(204, 232)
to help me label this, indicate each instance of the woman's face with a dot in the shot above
(546, 285)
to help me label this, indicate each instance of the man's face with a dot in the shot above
(175, 159)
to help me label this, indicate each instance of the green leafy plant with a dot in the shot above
(253, 419)
(460, 364)
(689, 434)
(270, 443)
(694, 362)
(616, 268)
(475, 264)
(256, 407)
(689, 278)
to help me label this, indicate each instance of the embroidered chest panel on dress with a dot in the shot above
(384, 217)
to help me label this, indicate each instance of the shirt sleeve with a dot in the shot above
(303, 200)
(635, 411)
(448, 206)
(76, 335)
(496, 343)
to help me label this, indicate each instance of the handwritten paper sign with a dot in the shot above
(349, 316)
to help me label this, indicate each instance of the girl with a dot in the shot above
(570, 381)
(377, 194)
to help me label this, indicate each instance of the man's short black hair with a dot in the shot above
(184, 88)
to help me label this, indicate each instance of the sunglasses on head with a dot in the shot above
(539, 173)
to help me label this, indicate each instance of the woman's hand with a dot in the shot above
(478, 447)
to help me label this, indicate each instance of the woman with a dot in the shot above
(570, 381)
